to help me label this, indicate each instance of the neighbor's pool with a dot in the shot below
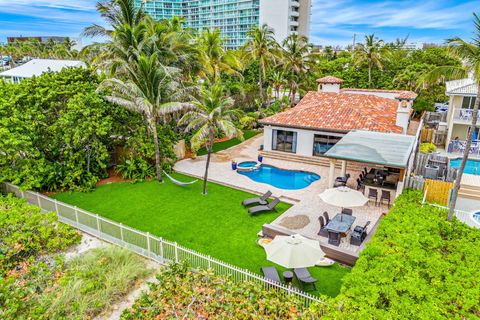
(476, 216)
(472, 166)
(280, 178)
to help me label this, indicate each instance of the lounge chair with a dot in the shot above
(261, 200)
(269, 207)
(304, 277)
(271, 273)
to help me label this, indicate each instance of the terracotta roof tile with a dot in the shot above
(340, 112)
(329, 79)
(401, 94)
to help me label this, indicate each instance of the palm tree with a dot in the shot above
(297, 60)
(213, 112)
(277, 79)
(150, 89)
(214, 58)
(370, 52)
(261, 46)
(469, 54)
(116, 13)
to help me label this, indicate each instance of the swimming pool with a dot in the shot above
(472, 166)
(280, 178)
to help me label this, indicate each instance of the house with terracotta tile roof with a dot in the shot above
(323, 117)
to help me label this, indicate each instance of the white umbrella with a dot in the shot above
(343, 197)
(294, 251)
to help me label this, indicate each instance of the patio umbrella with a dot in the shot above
(294, 251)
(343, 197)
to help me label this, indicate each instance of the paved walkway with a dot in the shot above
(306, 202)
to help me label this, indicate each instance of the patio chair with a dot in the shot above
(304, 278)
(347, 211)
(323, 231)
(334, 238)
(271, 273)
(361, 176)
(360, 186)
(385, 196)
(327, 218)
(373, 194)
(365, 171)
(261, 200)
(337, 184)
(359, 234)
(269, 207)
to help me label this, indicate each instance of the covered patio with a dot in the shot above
(386, 157)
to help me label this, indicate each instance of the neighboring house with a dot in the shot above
(323, 117)
(36, 67)
(462, 95)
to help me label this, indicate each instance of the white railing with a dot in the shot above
(149, 246)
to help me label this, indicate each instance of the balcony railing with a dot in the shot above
(458, 146)
(463, 115)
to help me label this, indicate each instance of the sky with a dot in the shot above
(332, 22)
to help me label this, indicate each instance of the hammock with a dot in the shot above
(179, 183)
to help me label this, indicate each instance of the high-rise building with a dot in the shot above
(235, 17)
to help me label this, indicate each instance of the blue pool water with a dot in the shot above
(472, 166)
(280, 178)
(247, 164)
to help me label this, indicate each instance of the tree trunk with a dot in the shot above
(260, 87)
(458, 180)
(158, 166)
(211, 137)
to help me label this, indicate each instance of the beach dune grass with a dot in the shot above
(215, 224)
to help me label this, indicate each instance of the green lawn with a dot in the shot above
(219, 146)
(214, 224)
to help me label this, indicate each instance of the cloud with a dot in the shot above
(341, 19)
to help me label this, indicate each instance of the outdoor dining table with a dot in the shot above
(341, 223)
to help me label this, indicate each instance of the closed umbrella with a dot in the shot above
(294, 251)
(343, 197)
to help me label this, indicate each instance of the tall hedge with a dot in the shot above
(417, 266)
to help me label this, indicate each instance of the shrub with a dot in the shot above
(427, 147)
(135, 168)
(184, 294)
(26, 233)
(417, 266)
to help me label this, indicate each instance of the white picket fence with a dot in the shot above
(149, 246)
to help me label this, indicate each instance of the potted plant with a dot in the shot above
(234, 165)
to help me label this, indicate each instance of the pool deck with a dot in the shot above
(306, 202)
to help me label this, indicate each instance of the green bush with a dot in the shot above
(135, 168)
(427, 147)
(26, 233)
(184, 294)
(417, 266)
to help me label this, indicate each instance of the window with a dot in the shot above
(323, 143)
(285, 141)
(468, 102)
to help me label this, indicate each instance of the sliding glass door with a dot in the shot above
(323, 143)
(285, 141)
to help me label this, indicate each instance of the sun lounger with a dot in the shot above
(304, 277)
(269, 207)
(271, 273)
(261, 200)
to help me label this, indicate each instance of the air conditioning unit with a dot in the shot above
(431, 171)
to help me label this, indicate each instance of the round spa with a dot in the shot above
(247, 166)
